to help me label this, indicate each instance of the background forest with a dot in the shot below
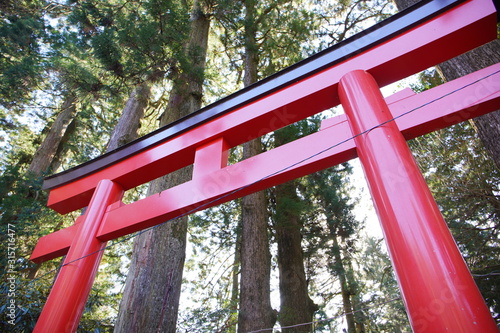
(80, 78)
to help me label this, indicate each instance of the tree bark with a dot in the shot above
(49, 154)
(487, 126)
(50, 148)
(150, 301)
(296, 307)
(130, 120)
(235, 272)
(255, 302)
(345, 290)
(46, 152)
(63, 148)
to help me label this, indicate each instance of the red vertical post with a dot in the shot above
(437, 287)
(66, 301)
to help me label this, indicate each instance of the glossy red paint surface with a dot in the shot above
(210, 157)
(478, 97)
(438, 290)
(469, 25)
(55, 244)
(66, 301)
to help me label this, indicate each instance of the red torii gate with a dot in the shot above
(438, 290)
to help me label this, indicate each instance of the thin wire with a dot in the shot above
(272, 174)
(329, 319)
(488, 274)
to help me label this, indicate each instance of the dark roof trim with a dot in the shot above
(350, 47)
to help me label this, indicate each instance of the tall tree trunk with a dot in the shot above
(255, 301)
(46, 152)
(487, 126)
(50, 148)
(150, 301)
(359, 317)
(296, 307)
(124, 132)
(235, 272)
(130, 120)
(345, 290)
(63, 148)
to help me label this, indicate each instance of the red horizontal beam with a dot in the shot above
(294, 159)
(477, 98)
(466, 26)
(464, 98)
(55, 244)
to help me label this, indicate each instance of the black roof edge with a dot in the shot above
(384, 30)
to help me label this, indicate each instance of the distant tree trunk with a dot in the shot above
(359, 317)
(63, 147)
(255, 302)
(150, 301)
(296, 306)
(46, 152)
(50, 148)
(125, 131)
(345, 290)
(130, 120)
(487, 126)
(235, 272)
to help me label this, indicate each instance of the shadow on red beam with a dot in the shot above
(469, 25)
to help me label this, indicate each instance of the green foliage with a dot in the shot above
(282, 29)
(29, 297)
(22, 31)
(108, 53)
(133, 40)
(202, 320)
(338, 20)
(23, 219)
(209, 274)
(380, 290)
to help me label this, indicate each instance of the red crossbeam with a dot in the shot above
(474, 96)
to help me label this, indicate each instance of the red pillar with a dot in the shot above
(66, 301)
(437, 287)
